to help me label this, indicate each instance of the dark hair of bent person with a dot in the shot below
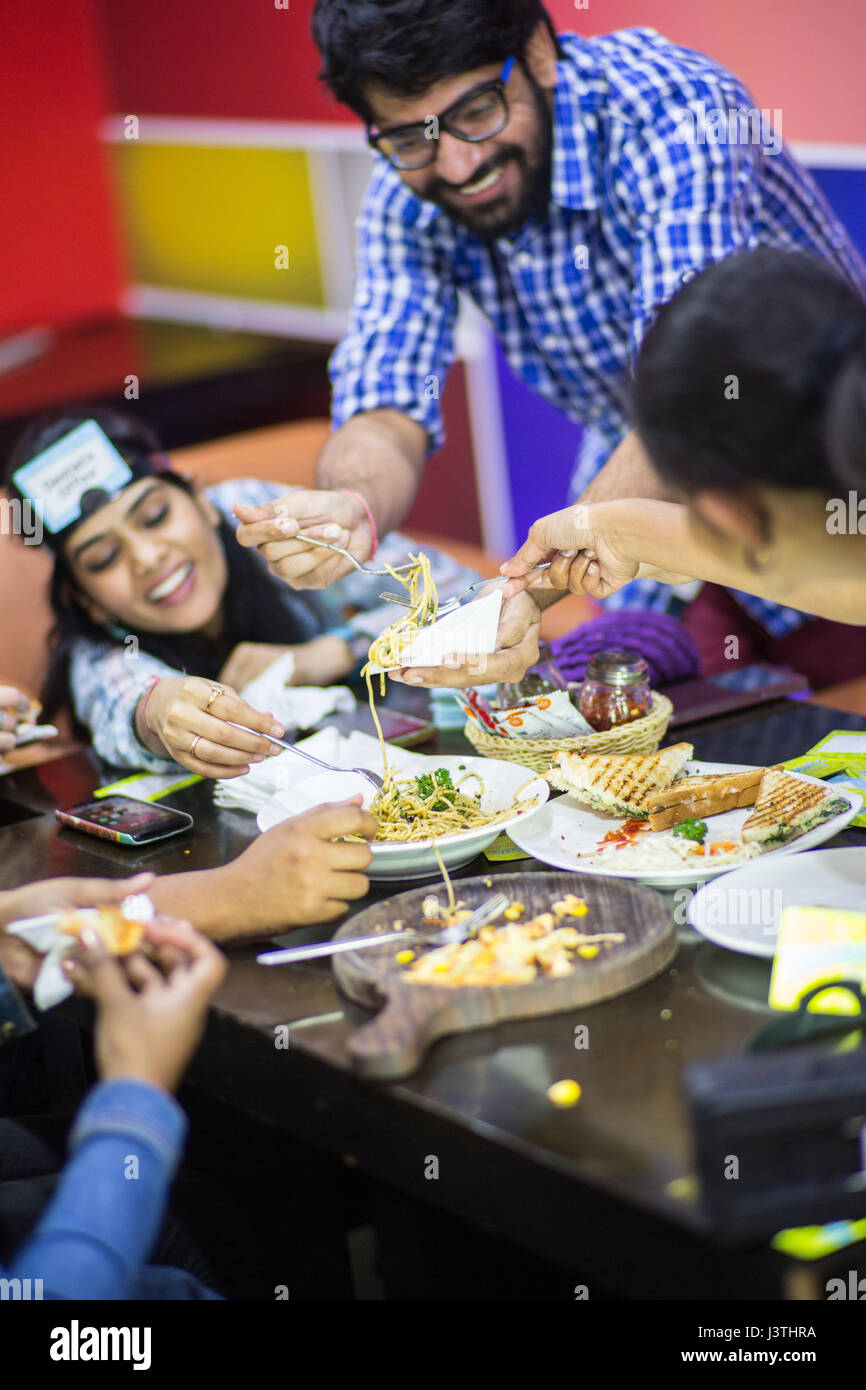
(250, 611)
(755, 372)
(408, 45)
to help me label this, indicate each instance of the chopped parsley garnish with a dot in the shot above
(432, 782)
(691, 829)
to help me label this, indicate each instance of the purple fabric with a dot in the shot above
(670, 652)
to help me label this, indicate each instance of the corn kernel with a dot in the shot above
(514, 912)
(404, 957)
(580, 910)
(588, 952)
(564, 1093)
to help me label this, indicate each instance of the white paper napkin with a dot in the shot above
(296, 706)
(299, 786)
(43, 934)
(469, 632)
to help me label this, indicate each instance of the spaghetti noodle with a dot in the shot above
(419, 808)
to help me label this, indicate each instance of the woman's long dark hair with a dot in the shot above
(755, 372)
(253, 609)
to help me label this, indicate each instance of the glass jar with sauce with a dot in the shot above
(616, 689)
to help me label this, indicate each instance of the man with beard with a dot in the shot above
(569, 186)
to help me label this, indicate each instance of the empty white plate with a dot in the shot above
(742, 910)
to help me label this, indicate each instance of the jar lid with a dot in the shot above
(618, 667)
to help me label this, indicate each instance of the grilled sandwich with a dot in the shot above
(787, 807)
(618, 784)
(699, 797)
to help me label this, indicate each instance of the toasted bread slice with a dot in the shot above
(703, 796)
(119, 935)
(787, 807)
(617, 784)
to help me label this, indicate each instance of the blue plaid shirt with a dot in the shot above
(636, 209)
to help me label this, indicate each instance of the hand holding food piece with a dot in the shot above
(340, 518)
(66, 894)
(184, 718)
(16, 708)
(149, 1023)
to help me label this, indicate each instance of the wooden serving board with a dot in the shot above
(414, 1016)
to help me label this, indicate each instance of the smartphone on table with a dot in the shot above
(124, 820)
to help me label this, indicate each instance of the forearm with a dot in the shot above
(380, 455)
(627, 473)
(204, 898)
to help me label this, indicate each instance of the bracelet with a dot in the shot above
(143, 710)
(365, 505)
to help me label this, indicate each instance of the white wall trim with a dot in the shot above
(241, 315)
(476, 347)
(817, 156)
(252, 135)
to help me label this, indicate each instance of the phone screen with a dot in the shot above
(123, 819)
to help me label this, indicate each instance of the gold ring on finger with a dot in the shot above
(215, 693)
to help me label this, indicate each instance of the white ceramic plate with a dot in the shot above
(742, 910)
(501, 781)
(565, 829)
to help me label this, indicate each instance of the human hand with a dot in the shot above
(191, 726)
(300, 872)
(149, 1023)
(516, 650)
(66, 894)
(585, 555)
(13, 704)
(335, 517)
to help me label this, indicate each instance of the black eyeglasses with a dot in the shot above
(477, 116)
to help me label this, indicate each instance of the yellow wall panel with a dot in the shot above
(208, 219)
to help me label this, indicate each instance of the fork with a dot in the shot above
(451, 603)
(293, 748)
(364, 569)
(481, 917)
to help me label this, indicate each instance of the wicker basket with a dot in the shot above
(640, 736)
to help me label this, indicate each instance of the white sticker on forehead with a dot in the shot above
(56, 480)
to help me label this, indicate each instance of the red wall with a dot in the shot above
(232, 58)
(806, 59)
(229, 58)
(59, 257)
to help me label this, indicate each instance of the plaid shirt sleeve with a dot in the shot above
(107, 683)
(400, 341)
(692, 201)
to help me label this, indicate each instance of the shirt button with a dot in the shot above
(8, 1029)
(686, 276)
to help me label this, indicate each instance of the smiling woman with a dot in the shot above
(161, 614)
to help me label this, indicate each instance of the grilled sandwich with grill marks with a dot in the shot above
(787, 807)
(618, 784)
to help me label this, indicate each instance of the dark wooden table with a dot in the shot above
(605, 1188)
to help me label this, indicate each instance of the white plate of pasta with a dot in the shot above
(457, 804)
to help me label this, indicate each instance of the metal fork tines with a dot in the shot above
(449, 605)
(293, 748)
(481, 917)
(364, 569)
